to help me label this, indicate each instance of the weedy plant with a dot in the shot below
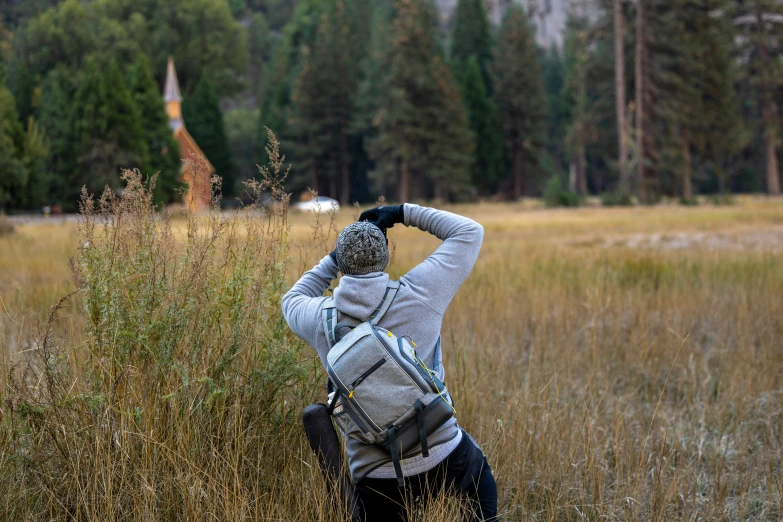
(187, 389)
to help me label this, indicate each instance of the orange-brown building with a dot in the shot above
(199, 192)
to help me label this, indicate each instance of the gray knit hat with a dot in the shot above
(361, 249)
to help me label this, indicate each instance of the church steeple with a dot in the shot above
(172, 97)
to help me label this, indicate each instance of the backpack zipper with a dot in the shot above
(364, 421)
(366, 374)
(396, 357)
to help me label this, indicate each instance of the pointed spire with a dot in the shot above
(171, 91)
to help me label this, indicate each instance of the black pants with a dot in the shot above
(464, 472)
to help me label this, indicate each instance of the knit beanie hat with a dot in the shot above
(361, 249)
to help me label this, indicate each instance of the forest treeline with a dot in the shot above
(646, 98)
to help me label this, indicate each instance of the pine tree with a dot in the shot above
(281, 73)
(55, 119)
(418, 138)
(13, 176)
(204, 121)
(472, 37)
(108, 133)
(761, 53)
(324, 101)
(22, 179)
(489, 158)
(23, 87)
(720, 123)
(580, 124)
(164, 155)
(619, 89)
(520, 95)
(259, 42)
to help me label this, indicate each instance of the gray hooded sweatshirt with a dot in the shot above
(417, 311)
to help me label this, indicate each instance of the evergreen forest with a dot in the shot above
(643, 100)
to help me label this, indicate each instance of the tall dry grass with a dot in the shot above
(605, 380)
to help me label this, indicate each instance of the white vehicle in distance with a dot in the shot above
(319, 204)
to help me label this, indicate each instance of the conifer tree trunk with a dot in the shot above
(405, 176)
(687, 185)
(333, 185)
(581, 171)
(649, 184)
(768, 112)
(639, 86)
(773, 176)
(345, 184)
(572, 174)
(517, 173)
(581, 164)
(619, 75)
(314, 173)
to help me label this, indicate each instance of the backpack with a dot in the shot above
(384, 394)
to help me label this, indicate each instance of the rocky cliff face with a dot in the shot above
(549, 16)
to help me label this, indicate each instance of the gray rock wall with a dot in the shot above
(549, 16)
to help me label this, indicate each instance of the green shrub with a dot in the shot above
(689, 202)
(720, 200)
(556, 196)
(188, 378)
(616, 198)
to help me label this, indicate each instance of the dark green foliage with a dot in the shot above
(556, 196)
(237, 7)
(164, 154)
(521, 101)
(489, 158)
(200, 34)
(276, 96)
(761, 81)
(23, 87)
(55, 119)
(283, 69)
(279, 12)
(616, 198)
(472, 37)
(419, 137)
(698, 119)
(108, 133)
(358, 92)
(22, 180)
(558, 108)
(204, 121)
(240, 126)
(12, 173)
(259, 44)
(323, 102)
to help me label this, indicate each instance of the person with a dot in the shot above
(455, 462)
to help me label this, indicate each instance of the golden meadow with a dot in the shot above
(615, 364)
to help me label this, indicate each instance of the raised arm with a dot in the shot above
(302, 304)
(438, 278)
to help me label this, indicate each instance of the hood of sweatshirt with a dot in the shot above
(359, 296)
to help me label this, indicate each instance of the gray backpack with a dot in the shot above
(384, 394)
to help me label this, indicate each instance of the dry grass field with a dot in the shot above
(615, 364)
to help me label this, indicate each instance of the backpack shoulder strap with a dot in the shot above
(388, 297)
(329, 320)
(329, 312)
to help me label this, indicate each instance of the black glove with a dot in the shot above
(384, 217)
(333, 255)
